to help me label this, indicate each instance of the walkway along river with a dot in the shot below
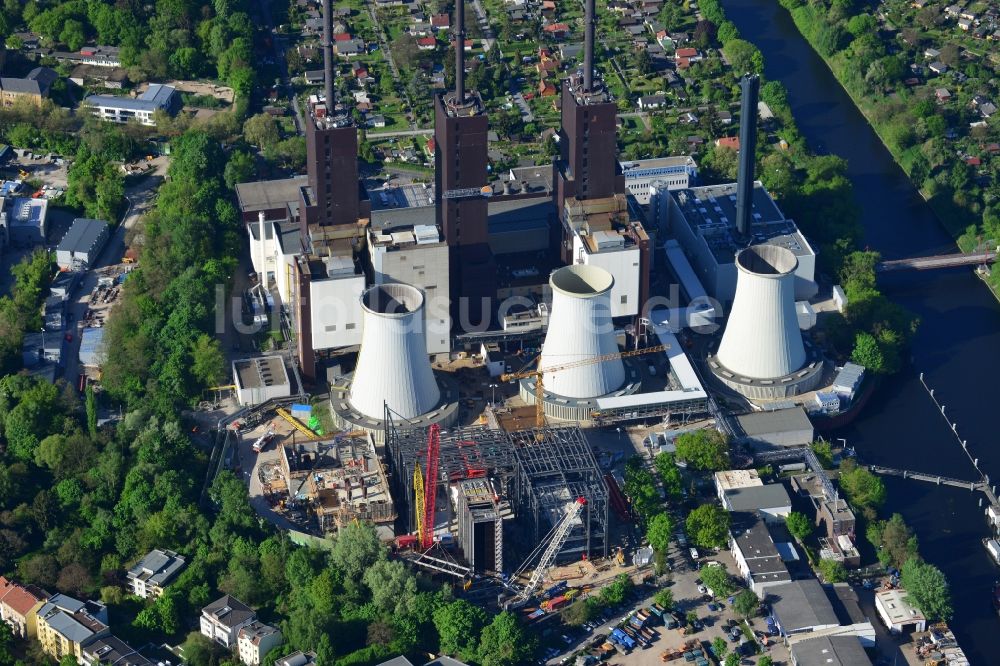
(957, 347)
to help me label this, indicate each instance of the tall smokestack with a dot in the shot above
(750, 86)
(588, 47)
(459, 51)
(328, 56)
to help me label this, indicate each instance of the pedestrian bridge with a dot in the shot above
(939, 261)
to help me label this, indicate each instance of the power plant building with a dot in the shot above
(703, 220)
(670, 173)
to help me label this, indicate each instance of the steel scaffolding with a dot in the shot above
(555, 466)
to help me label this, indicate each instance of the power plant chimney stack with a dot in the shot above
(588, 47)
(460, 52)
(750, 87)
(328, 56)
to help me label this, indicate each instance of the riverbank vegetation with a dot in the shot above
(928, 88)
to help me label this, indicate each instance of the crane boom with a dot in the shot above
(558, 537)
(430, 485)
(538, 373)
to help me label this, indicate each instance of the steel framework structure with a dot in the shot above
(555, 466)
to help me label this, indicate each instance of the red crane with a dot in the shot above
(430, 484)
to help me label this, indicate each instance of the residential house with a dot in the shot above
(154, 572)
(112, 651)
(898, 614)
(731, 142)
(546, 88)
(953, 11)
(938, 67)
(114, 78)
(965, 24)
(34, 87)
(314, 77)
(361, 74)
(801, 606)
(757, 557)
(931, 54)
(548, 9)
(942, 95)
(255, 640)
(648, 102)
(65, 625)
(725, 117)
(350, 48)
(18, 605)
(426, 43)
(141, 109)
(376, 121)
(440, 22)
(967, 14)
(468, 44)
(688, 52)
(556, 30)
(222, 620)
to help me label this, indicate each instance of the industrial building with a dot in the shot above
(829, 651)
(665, 173)
(340, 479)
(762, 354)
(27, 221)
(82, 244)
(260, 379)
(393, 371)
(757, 557)
(780, 428)
(898, 613)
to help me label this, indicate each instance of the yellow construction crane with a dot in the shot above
(538, 372)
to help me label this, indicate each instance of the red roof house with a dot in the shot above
(731, 142)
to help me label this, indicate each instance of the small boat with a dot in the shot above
(993, 548)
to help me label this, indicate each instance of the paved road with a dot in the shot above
(484, 25)
(278, 47)
(388, 135)
(140, 197)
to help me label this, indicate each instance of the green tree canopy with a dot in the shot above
(928, 588)
(746, 603)
(705, 449)
(659, 531)
(459, 624)
(505, 642)
(894, 541)
(833, 571)
(718, 580)
(708, 526)
(863, 489)
(799, 525)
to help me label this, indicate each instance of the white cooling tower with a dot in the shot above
(580, 328)
(393, 366)
(762, 338)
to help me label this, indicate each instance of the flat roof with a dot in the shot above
(682, 268)
(754, 498)
(737, 478)
(520, 214)
(530, 178)
(640, 168)
(401, 196)
(801, 604)
(27, 212)
(830, 651)
(267, 194)
(262, 371)
(157, 96)
(82, 235)
(710, 211)
(896, 604)
(781, 420)
(392, 218)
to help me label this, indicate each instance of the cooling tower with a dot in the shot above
(580, 328)
(393, 366)
(762, 338)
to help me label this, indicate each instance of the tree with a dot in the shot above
(744, 56)
(746, 603)
(392, 586)
(708, 526)
(705, 449)
(719, 647)
(643, 62)
(614, 594)
(208, 362)
(868, 353)
(670, 474)
(830, 40)
(894, 541)
(862, 488)
(665, 598)
(201, 651)
(799, 525)
(833, 571)
(579, 612)
(505, 642)
(262, 130)
(929, 589)
(91, 402)
(732, 659)
(356, 549)
(717, 579)
(458, 624)
(659, 531)
(240, 168)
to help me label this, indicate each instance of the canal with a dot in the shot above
(957, 347)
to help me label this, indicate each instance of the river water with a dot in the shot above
(957, 347)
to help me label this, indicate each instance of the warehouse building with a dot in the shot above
(782, 427)
(260, 379)
(79, 248)
(27, 221)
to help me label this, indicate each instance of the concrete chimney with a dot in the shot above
(588, 46)
(459, 52)
(750, 87)
(328, 56)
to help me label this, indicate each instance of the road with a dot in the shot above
(388, 135)
(484, 25)
(140, 197)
